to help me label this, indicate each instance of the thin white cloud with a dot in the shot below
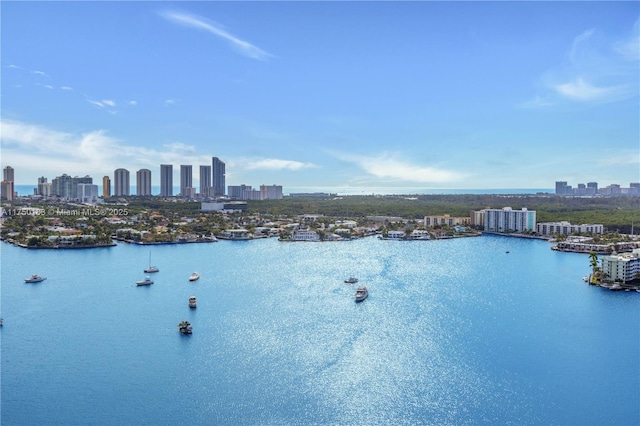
(169, 102)
(37, 150)
(68, 88)
(630, 47)
(275, 164)
(597, 71)
(576, 47)
(96, 103)
(132, 103)
(243, 47)
(38, 72)
(386, 166)
(179, 147)
(581, 90)
(109, 102)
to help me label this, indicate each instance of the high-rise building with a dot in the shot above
(87, 193)
(509, 220)
(121, 185)
(43, 188)
(271, 192)
(205, 181)
(106, 186)
(7, 174)
(561, 188)
(74, 184)
(186, 180)
(61, 186)
(238, 191)
(592, 188)
(218, 176)
(7, 190)
(143, 182)
(166, 180)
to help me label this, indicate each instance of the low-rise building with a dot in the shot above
(621, 267)
(566, 228)
(446, 219)
(304, 235)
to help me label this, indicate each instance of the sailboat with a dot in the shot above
(151, 268)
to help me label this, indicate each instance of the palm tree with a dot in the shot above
(593, 262)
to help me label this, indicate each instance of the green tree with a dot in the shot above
(593, 262)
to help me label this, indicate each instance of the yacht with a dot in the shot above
(151, 269)
(361, 294)
(185, 327)
(35, 278)
(192, 302)
(146, 281)
(351, 280)
(194, 277)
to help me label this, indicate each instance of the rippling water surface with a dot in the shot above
(453, 332)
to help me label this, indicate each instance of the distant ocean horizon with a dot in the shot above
(24, 190)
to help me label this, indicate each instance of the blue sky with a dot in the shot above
(369, 96)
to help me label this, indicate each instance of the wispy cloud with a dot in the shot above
(68, 88)
(104, 103)
(193, 21)
(39, 72)
(38, 150)
(581, 90)
(169, 102)
(132, 103)
(598, 70)
(275, 164)
(629, 48)
(389, 167)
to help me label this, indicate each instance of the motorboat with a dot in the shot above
(351, 280)
(35, 278)
(185, 327)
(146, 281)
(361, 294)
(194, 277)
(192, 302)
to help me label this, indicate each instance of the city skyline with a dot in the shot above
(404, 96)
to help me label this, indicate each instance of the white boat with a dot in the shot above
(185, 327)
(192, 302)
(194, 277)
(361, 294)
(35, 278)
(151, 269)
(351, 280)
(146, 281)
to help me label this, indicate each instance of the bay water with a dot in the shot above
(453, 332)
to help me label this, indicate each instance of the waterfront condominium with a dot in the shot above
(121, 182)
(218, 175)
(166, 180)
(205, 180)
(509, 220)
(106, 186)
(143, 182)
(186, 180)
